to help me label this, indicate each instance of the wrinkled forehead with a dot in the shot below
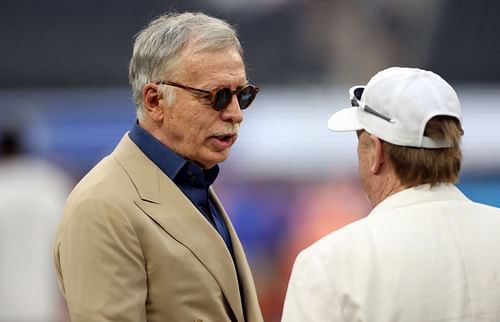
(213, 67)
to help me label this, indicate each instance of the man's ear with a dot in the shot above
(379, 155)
(152, 96)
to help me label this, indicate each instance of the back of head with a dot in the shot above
(416, 166)
(158, 47)
(418, 116)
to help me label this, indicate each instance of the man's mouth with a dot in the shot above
(225, 137)
(224, 141)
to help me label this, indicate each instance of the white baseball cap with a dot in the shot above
(396, 105)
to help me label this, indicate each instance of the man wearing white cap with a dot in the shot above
(425, 252)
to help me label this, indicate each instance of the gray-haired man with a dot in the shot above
(143, 236)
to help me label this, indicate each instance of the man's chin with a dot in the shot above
(214, 159)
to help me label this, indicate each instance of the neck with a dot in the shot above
(383, 188)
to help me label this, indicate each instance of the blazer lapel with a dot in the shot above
(251, 302)
(167, 205)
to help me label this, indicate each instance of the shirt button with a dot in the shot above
(193, 178)
(190, 172)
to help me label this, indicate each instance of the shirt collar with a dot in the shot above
(167, 160)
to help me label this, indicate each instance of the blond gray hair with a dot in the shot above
(416, 166)
(157, 48)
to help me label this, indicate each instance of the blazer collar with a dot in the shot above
(419, 194)
(167, 205)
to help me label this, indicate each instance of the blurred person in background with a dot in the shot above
(425, 252)
(143, 235)
(32, 194)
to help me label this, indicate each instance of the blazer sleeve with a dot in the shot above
(311, 293)
(101, 265)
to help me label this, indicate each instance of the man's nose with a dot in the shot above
(232, 112)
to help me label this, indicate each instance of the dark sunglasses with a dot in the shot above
(221, 97)
(355, 94)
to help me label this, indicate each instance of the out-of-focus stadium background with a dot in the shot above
(288, 182)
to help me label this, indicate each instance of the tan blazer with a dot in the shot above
(132, 247)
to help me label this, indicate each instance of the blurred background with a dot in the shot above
(65, 103)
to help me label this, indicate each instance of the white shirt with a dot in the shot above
(423, 254)
(32, 193)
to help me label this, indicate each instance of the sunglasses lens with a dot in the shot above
(222, 98)
(246, 96)
(358, 92)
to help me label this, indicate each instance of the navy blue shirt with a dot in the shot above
(191, 179)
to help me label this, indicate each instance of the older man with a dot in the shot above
(143, 236)
(425, 252)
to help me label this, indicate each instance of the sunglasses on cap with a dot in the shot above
(355, 94)
(221, 97)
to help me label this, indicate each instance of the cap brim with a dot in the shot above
(345, 120)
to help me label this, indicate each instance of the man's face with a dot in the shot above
(190, 127)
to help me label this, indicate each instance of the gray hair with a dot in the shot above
(157, 47)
